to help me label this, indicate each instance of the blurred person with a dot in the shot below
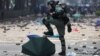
(72, 12)
(43, 9)
(76, 16)
(2, 16)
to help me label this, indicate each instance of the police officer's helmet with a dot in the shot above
(58, 8)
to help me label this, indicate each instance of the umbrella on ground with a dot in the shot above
(38, 46)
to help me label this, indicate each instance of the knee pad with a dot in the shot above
(61, 37)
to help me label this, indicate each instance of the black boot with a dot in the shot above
(49, 33)
(50, 30)
(69, 29)
(62, 53)
(63, 46)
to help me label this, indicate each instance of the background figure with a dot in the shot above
(43, 9)
(76, 17)
(2, 16)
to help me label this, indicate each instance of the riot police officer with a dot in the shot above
(56, 16)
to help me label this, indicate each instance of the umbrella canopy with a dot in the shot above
(38, 47)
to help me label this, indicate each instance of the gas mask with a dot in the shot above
(58, 8)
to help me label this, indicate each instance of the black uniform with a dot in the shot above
(59, 19)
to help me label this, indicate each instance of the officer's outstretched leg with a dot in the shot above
(63, 46)
(47, 24)
(61, 31)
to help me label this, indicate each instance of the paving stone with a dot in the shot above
(9, 26)
(75, 49)
(94, 43)
(6, 54)
(8, 29)
(21, 41)
(18, 43)
(83, 34)
(95, 48)
(98, 35)
(84, 46)
(83, 28)
(36, 29)
(13, 28)
(23, 30)
(32, 25)
(69, 47)
(5, 51)
(27, 28)
(4, 31)
(96, 30)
